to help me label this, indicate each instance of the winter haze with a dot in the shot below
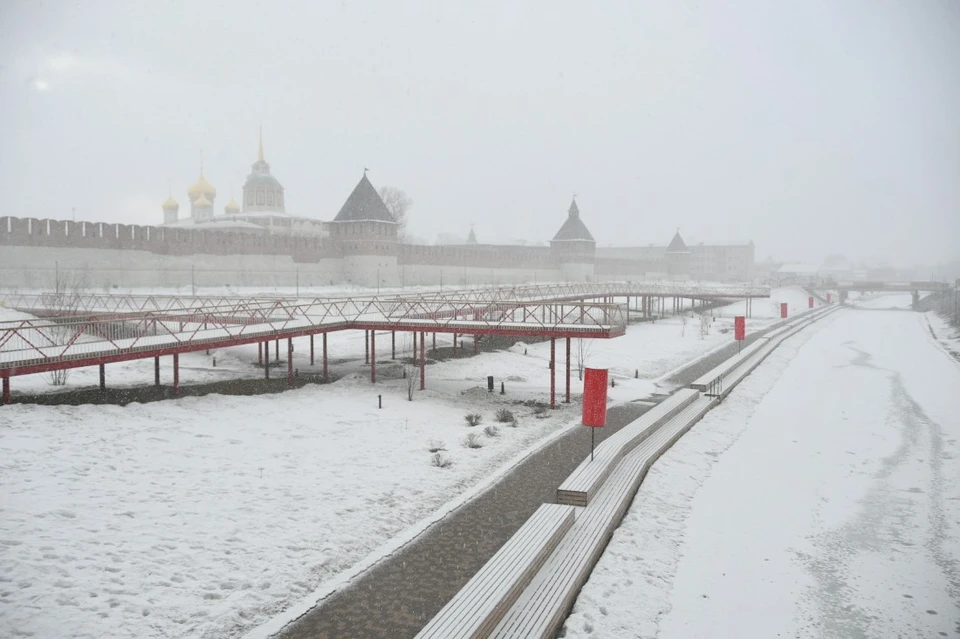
(811, 127)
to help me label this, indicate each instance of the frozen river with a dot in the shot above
(822, 499)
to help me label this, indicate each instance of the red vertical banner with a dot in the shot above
(783, 310)
(829, 297)
(810, 302)
(740, 328)
(595, 397)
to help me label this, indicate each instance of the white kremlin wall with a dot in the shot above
(104, 269)
(33, 267)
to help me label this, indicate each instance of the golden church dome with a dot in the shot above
(202, 202)
(201, 187)
(170, 203)
(232, 207)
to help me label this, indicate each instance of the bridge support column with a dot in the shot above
(266, 367)
(434, 341)
(311, 350)
(176, 373)
(414, 348)
(553, 377)
(290, 361)
(476, 344)
(393, 345)
(326, 378)
(454, 343)
(423, 361)
(259, 353)
(103, 377)
(366, 347)
(6, 391)
(373, 357)
(156, 371)
(277, 350)
(915, 296)
(568, 371)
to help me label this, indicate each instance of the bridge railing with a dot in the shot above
(83, 303)
(60, 339)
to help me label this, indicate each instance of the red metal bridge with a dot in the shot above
(85, 330)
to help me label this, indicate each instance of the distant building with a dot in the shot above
(259, 243)
(263, 211)
(722, 262)
(574, 247)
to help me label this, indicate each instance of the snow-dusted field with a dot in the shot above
(796, 298)
(207, 516)
(821, 499)
(883, 301)
(201, 516)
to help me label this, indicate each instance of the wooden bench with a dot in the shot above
(715, 381)
(738, 374)
(482, 602)
(544, 605)
(709, 381)
(587, 478)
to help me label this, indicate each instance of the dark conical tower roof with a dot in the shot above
(364, 205)
(677, 245)
(573, 228)
(472, 237)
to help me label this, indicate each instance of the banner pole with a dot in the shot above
(591, 443)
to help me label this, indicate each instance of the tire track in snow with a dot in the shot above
(884, 518)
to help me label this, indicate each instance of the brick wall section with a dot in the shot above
(478, 255)
(39, 233)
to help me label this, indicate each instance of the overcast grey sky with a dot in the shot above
(809, 126)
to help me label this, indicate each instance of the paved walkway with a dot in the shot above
(398, 596)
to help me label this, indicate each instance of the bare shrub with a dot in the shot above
(540, 412)
(582, 353)
(473, 440)
(436, 446)
(473, 419)
(65, 301)
(440, 460)
(408, 374)
(492, 431)
(503, 416)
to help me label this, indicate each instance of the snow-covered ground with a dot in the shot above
(821, 499)
(883, 301)
(947, 334)
(201, 516)
(796, 298)
(206, 516)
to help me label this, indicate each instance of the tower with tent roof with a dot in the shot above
(574, 248)
(366, 235)
(677, 257)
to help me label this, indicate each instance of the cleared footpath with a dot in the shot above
(399, 595)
